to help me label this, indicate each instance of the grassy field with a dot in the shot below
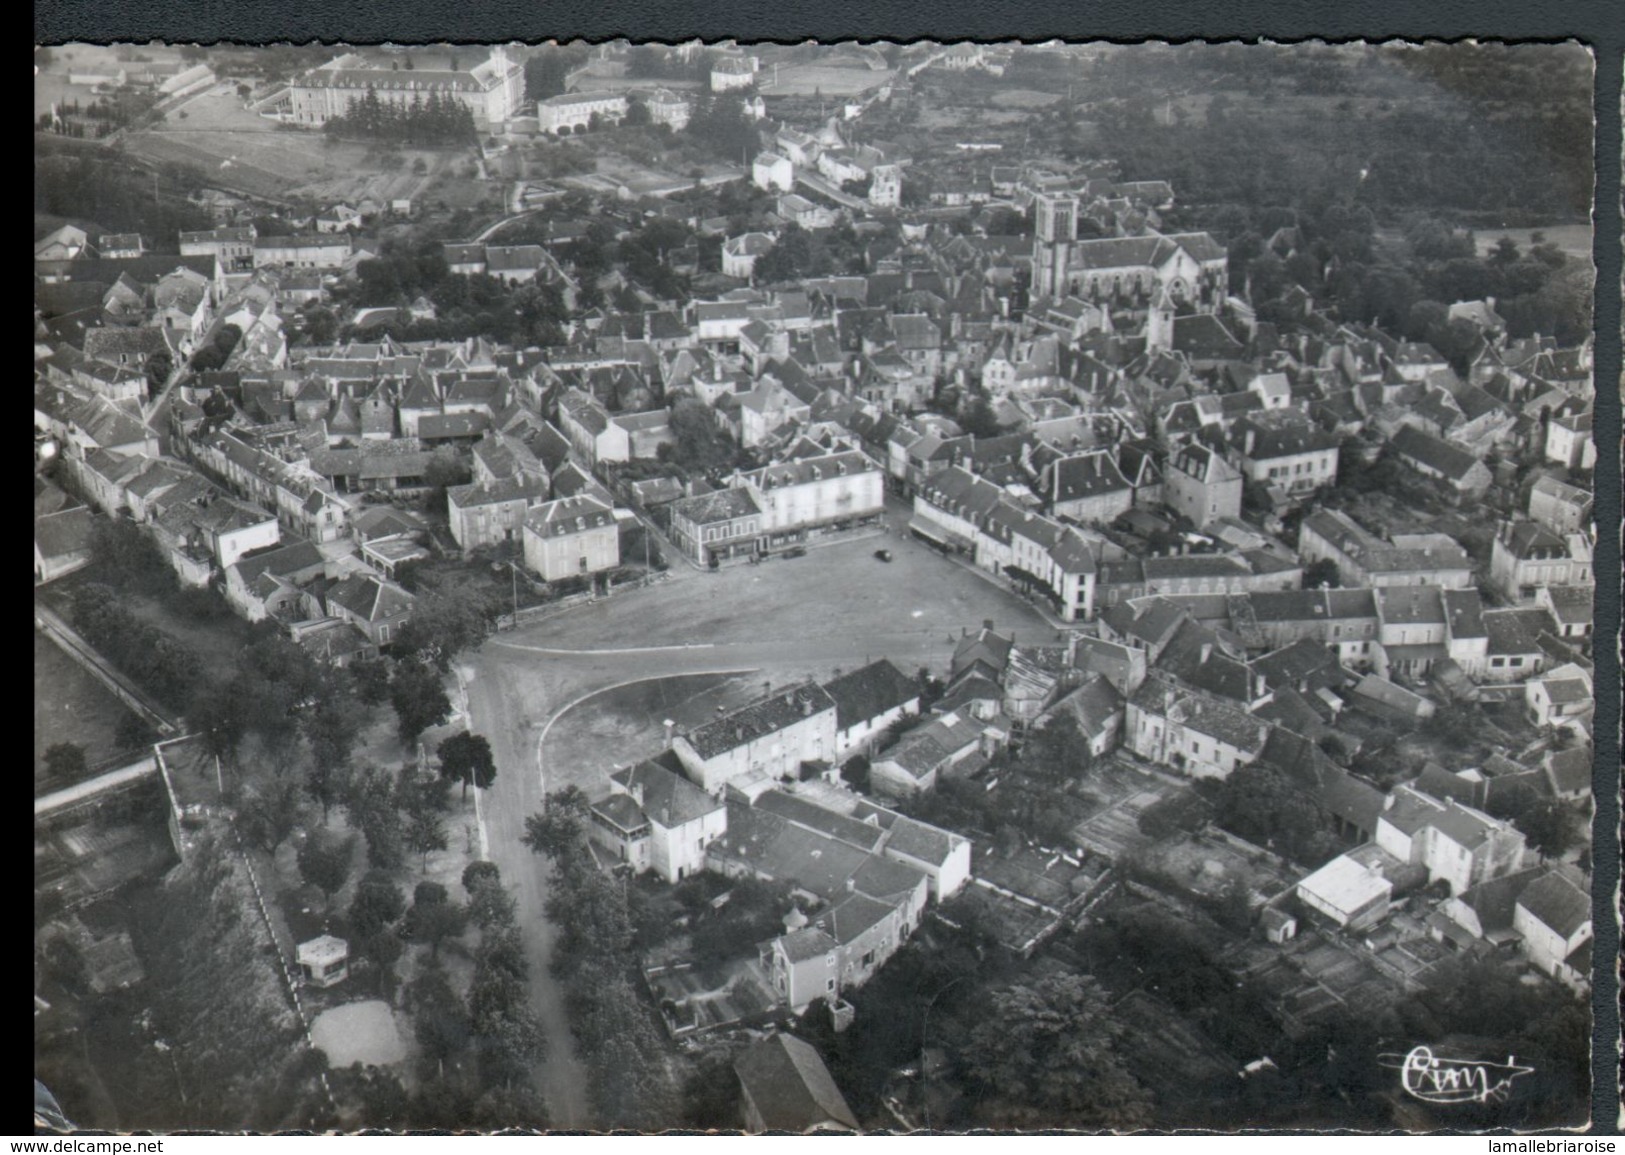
(808, 79)
(1024, 98)
(71, 706)
(238, 149)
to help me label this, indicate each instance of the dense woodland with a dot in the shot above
(1486, 129)
(431, 121)
(104, 187)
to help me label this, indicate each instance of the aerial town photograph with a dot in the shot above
(813, 587)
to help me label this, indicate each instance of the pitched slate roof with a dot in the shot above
(63, 533)
(870, 692)
(1085, 476)
(112, 343)
(667, 798)
(778, 849)
(370, 598)
(791, 1087)
(282, 559)
(721, 505)
(1516, 631)
(865, 836)
(1557, 902)
(568, 515)
(524, 488)
(1453, 462)
(776, 712)
(1281, 437)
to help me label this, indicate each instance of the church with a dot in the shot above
(1189, 269)
(492, 89)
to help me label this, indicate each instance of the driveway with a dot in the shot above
(785, 619)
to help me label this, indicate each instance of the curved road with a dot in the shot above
(788, 619)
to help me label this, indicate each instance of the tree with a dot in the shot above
(425, 832)
(218, 351)
(856, 771)
(546, 70)
(1322, 574)
(790, 258)
(697, 442)
(418, 694)
(434, 917)
(327, 785)
(557, 832)
(216, 715)
(321, 325)
(65, 760)
(1257, 802)
(324, 862)
(1059, 750)
(444, 470)
(1047, 1056)
(124, 548)
(440, 628)
(620, 1043)
(490, 905)
(977, 417)
(467, 758)
(710, 1099)
(516, 1105)
(333, 725)
(594, 919)
(480, 873)
(1550, 827)
(371, 678)
(439, 1020)
(377, 906)
(159, 366)
(271, 813)
(133, 731)
(373, 805)
(384, 949)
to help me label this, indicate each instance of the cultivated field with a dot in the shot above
(1024, 98)
(238, 149)
(810, 79)
(1575, 240)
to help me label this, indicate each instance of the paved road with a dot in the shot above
(786, 618)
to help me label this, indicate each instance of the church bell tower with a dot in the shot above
(1055, 227)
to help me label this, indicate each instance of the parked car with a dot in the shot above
(883, 554)
(795, 551)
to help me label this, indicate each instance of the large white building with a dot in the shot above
(817, 492)
(491, 89)
(772, 172)
(766, 740)
(733, 72)
(573, 111)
